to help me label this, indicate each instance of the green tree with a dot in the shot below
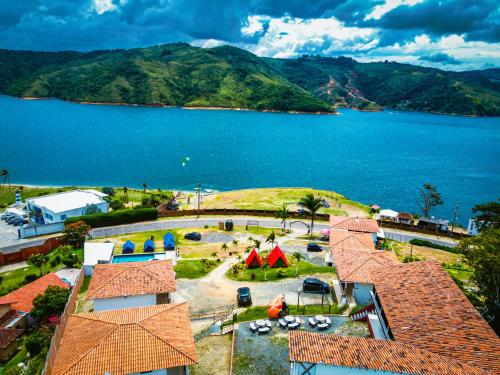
(297, 257)
(312, 205)
(38, 341)
(284, 214)
(75, 233)
(125, 193)
(50, 303)
(92, 209)
(235, 243)
(482, 254)
(429, 198)
(39, 261)
(271, 239)
(265, 267)
(224, 247)
(214, 255)
(116, 204)
(257, 244)
(488, 215)
(144, 185)
(109, 191)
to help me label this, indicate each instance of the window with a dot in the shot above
(49, 216)
(63, 217)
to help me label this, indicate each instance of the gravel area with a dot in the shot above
(214, 353)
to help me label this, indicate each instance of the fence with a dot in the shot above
(40, 230)
(417, 229)
(58, 334)
(233, 211)
(16, 254)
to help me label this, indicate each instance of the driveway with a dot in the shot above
(215, 291)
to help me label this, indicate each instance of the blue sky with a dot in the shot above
(452, 35)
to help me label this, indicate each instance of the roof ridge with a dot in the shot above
(107, 282)
(153, 275)
(358, 266)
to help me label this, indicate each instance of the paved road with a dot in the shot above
(242, 221)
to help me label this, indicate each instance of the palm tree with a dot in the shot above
(297, 257)
(248, 249)
(144, 185)
(265, 267)
(257, 244)
(312, 205)
(39, 261)
(283, 213)
(224, 247)
(125, 192)
(32, 214)
(214, 255)
(271, 238)
(4, 175)
(235, 243)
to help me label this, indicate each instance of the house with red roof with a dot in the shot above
(277, 259)
(253, 260)
(22, 299)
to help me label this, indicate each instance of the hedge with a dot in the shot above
(116, 217)
(418, 242)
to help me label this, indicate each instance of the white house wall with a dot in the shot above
(102, 304)
(322, 369)
(361, 293)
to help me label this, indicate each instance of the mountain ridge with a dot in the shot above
(228, 77)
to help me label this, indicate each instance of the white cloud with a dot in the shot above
(208, 43)
(389, 5)
(103, 6)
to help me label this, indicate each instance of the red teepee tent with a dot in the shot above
(253, 260)
(277, 258)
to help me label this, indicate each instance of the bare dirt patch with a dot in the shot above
(214, 354)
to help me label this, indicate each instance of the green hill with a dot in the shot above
(182, 75)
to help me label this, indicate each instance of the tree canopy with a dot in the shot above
(50, 303)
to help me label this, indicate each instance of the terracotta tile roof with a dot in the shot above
(362, 353)
(9, 335)
(354, 224)
(351, 240)
(405, 216)
(126, 341)
(130, 279)
(424, 307)
(22, 298)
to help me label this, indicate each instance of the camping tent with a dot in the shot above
(128, 247)
(253, 260)
(277, 258)
(169, 241)
(149, 246)
(387, 214)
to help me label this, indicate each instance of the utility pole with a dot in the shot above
(455, 217)
(198, 192)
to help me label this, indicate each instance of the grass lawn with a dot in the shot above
(191, 269)
(214, 355)
(14, 279)
(260, 312)
(273, 198)
(272, 274)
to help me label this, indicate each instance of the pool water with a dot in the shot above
(138, 258)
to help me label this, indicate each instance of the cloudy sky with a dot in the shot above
(452, 35)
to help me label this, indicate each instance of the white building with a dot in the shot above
(134, 284)
(96, 253)
(55, 208)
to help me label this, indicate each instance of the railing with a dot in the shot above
(58, 334)
(233, 211)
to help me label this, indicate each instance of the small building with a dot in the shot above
(56, 208)
(168, 241)
(128, 247)
(433, 224)
(156, 340)
(134, 284)
(149, 246)
(329, 354)
(355, 258)
(405, 218)
(356, 224)
(96, 253)
(22, 299)
(253, 260)
(388, 215)
(10, 318)
(8, 342)
(277, 259)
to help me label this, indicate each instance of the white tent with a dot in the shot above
(96, 253)
(388, 215)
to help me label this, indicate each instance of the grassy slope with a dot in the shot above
(178, 74)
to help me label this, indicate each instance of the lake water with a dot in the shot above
(378, 158)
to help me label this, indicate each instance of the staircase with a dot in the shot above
(362, 314)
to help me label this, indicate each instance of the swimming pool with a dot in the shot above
(143, 257)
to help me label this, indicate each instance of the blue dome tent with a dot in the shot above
(128, 247)
(168, 241)
(149, 246)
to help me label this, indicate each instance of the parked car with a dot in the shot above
(312, 246)
(301, 211)
(325, 203)
(243, 296)
(315, 285)
(193, 236)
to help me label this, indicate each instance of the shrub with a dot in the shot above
(253, 276)
(75, 233)
(116, 204)
(109, 190)
(116, 217)
(30, 277)
(409, 259)
(37, 341)
(281, 273)
(71, 260)
(418, 242)
(50, 303)
(54, 263)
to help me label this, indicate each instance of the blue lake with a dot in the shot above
(378, 158)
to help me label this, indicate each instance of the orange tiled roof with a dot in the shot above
(351, 240)
(354, 224)
(22, 298)
(126, 341)
(424, 307)
(8, 335)
(130, 279)
(362, 353)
